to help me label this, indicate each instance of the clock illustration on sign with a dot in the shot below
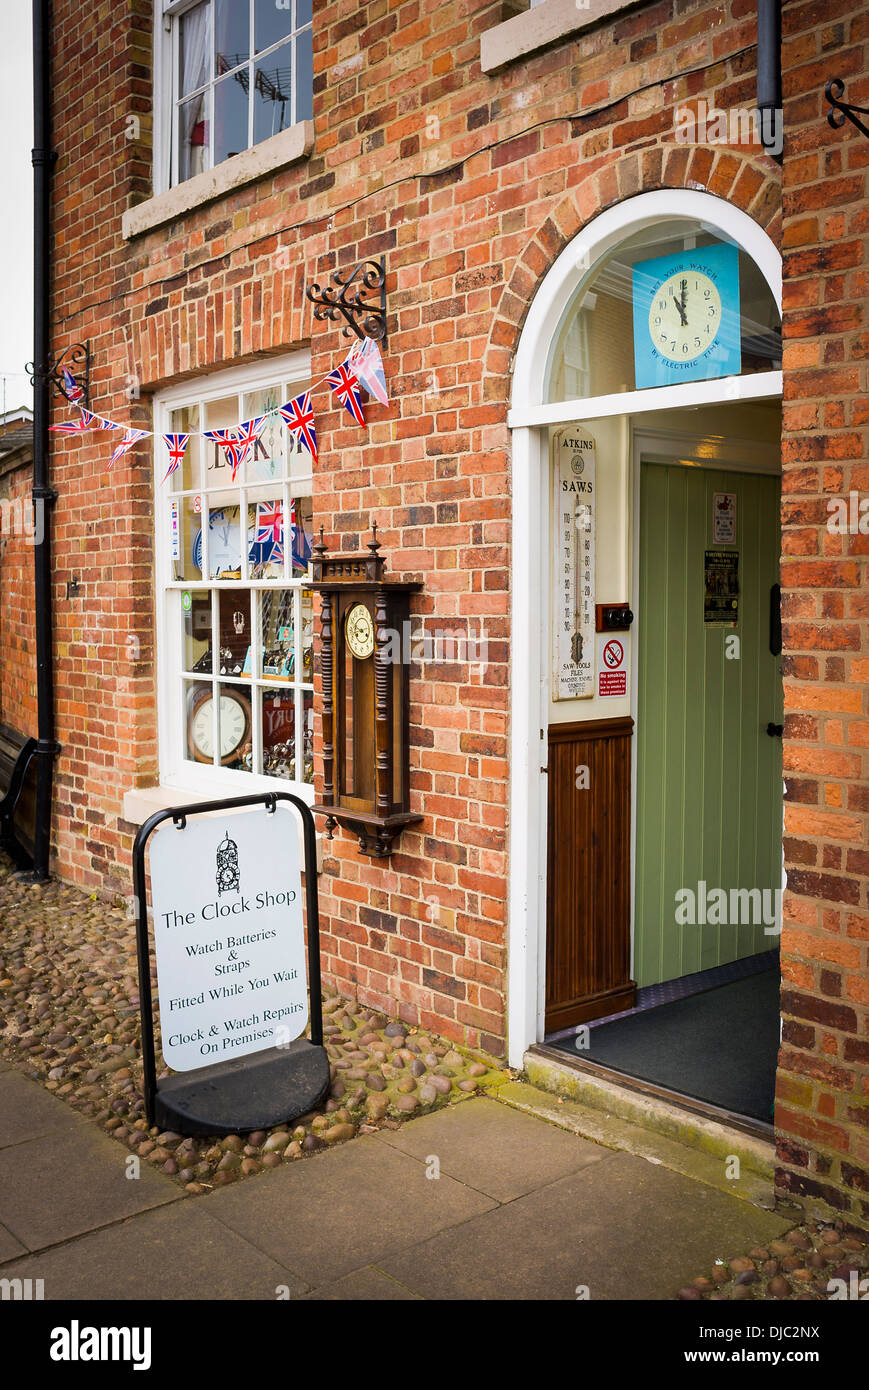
(686, 316)
(359, 628)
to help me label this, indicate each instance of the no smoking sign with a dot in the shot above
(612, 666)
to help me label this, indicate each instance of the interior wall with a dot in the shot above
(731, 430)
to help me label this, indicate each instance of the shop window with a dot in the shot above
(237, 617)
(674, 303)
(235, 73)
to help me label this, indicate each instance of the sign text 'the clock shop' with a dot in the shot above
(231, 962)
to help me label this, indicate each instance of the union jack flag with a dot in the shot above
(96, 422)
(74, 426)
(300, 419)
(366, 362)
(267, 546)
(130, 438)
(270, 522)
(247, 436)
(176, 444)
(72, 390)
(345, 384)
(301, 546)
(229, 446)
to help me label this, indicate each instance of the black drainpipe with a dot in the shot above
(43, 158)
(769, 95)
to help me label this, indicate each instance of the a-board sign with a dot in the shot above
(229, 936)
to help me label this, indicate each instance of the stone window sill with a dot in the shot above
(142, 802)
(540, 26)
(279, 151)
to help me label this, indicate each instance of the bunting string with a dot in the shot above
(361, 370)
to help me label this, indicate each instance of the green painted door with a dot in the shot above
(709, 775)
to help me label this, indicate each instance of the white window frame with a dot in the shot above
(528, 418)
(165, 66)
(176, 771)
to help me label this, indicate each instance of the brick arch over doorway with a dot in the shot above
(750, 183)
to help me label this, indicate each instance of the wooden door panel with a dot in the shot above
(588, 949)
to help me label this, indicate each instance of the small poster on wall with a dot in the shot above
(721, 598)
(574, 563)
(723, 518)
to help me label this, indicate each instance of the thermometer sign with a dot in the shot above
(574, 502)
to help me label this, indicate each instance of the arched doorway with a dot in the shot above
(586, 373)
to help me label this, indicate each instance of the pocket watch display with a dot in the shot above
(359, 627)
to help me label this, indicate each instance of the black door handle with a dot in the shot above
(775, 620)
(775, 730)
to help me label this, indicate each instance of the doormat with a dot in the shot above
(720, 1046)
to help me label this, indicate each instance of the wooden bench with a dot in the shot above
(17, 795)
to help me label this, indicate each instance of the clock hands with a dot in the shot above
(681, 305)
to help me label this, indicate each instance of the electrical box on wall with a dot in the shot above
(612, 617)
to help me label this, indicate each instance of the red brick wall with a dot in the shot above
(823, 1094)
(104, 641)
(17, 659)
(471, 185)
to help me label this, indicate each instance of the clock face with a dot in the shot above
(359, 629)
(686, 315)
(234, 723)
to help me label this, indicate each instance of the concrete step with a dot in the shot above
(620, 1118)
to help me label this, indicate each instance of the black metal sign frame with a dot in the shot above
(259, 1089)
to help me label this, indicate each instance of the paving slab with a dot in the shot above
(28, 1111)
(494, 1149)
(70, 1182)
(174, 1252)
(754, 1184)
(9, 1246)
(622, 1228)
(367, 1285)
(336, 1212)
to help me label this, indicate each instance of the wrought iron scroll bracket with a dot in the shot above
(842, 111)
(359, 298)
(77, 359)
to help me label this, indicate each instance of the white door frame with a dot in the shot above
(529, 418)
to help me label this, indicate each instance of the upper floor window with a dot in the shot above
(241, 70)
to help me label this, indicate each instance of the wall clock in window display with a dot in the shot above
(234, 725)
(686, 316)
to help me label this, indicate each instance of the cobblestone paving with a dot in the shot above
(69, 1017)
(800, 1266)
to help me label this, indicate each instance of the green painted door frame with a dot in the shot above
(709, 776)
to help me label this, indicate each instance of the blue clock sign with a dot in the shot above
(686, 316)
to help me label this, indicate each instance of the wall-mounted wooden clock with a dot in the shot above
(366, 776)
